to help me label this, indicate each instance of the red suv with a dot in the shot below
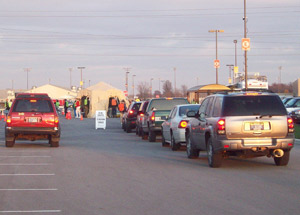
(32, 116)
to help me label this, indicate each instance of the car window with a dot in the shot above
(145, 106)
(174, 112)
(253, 105)
(297, 104)
(184, 109)
(203, 106)
(167, 104)
(291, 102)
(136, 106)
(209, 106)
(217, 107)
(33, 105)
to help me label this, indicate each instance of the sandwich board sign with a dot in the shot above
(100, 119)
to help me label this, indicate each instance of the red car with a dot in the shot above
(32, 116)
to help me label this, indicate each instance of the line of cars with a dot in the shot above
(241, 124)
(292, 105)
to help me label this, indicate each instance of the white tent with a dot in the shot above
(54, 92)
(99, 95)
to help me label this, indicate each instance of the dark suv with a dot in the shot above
(32, 116)
(129, 117)
(245, 124)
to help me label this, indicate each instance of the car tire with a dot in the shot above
(127, 127)
(214, 158)
(284, 160)
(136, 130)
(191, 151)
(139, 131)
(174, 146)
(123, 126)
(54, 143)
(151, 136)
(9, 143)
(144, 135)
(163, 140)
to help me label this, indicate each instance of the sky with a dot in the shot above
(149, 37)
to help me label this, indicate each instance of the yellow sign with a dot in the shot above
(236, 69)
(81, 83)
(246, 44)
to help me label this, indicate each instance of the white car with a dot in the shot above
(173, 128)
(292, 105)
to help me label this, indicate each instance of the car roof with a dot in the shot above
(184, 105)
(246, 93)
(32, 95)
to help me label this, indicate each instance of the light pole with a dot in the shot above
(81, 68)
(151, 87)
(27, 70)
(133, 85)
(245, 36)
(126, 78)
(235, 59)
(216, 31)
(70, 69)
(230, 69)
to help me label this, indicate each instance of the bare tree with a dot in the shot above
(183, 90)
(143, 89)
(167, 89)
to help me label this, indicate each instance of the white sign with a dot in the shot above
(100, 119)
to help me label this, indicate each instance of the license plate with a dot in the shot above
(32, 119)
(257, 126)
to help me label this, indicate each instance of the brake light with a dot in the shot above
(221, 126)
(290, 125)
(131, 112)
(8, 120)
(141, 114)
(153, 116)
(183, 124)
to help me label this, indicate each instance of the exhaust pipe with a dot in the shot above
(278, 153)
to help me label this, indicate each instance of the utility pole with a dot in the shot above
(235, 60)
(70, 69)
(245, 36)
(81, 82)
(230, 69)
(151, 87)
(126, 78)
(27, 70)
(133, 85)
(216, 31)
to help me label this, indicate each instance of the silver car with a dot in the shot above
(173, 129)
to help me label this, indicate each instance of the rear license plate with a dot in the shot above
(256, 126)
(32, 119)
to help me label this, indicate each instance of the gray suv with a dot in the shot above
(245, 124)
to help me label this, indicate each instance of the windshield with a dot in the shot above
(184, 109)
(33, 105)
(168, 104)
(253, 105)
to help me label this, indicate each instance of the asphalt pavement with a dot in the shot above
(111, 172)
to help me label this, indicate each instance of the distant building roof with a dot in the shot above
(209, 87)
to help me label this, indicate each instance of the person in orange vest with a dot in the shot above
(122, 109)
(114, 105)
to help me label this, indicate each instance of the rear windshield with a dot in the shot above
(184, 109)
(136, 106)
(33, 105)
(253, 105)
(167, 104)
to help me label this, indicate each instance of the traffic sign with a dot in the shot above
(217, 64)
(246, 44)
(125, 92)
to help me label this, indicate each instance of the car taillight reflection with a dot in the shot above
(290, 125)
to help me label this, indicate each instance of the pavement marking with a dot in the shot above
(25, 164)
(36, 211)
(54, 189)
(21, 156)
(16, 174)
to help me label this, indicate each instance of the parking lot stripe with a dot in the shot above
(36, 211)
(54, 189)
(17, 174)
(25, 164)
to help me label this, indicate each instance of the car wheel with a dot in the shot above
(191, 150)
(9, 143)
(174, 146)
(136, 130)
(214, 158)
(123, 126)
(128, 129)
(139, 131)
(163, 140)
(144, 135)
(54, 143)
(284, 160)
(151, 136)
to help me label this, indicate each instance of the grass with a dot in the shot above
(297, 131)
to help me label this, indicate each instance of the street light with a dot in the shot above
(245, 36)
(81, 68)
(235, 59)
(126, 78)
(216, 31)
(230, 69)
(133, 85)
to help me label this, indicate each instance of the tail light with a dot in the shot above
(141, 114)
(290, 125)
(153, 117)
(131, 112)
(183, 124)
(221, 126)
(8, 120)
(56, 120)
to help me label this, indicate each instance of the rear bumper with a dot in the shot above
(179, 136)
(248, 144)
(32, 131)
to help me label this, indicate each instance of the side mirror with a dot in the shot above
(191, 114)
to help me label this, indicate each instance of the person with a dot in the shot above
(86, 103)
(74, 108)
(6, 107)
(122, 109)
(57, 105)
(114, 105)
(66, 105)
(78, 114)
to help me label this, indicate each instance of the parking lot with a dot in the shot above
(111, 172)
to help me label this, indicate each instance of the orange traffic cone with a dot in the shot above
(81, 117)
(62, 112)
(68, 116)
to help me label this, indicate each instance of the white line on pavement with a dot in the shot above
(25, 164)
(16, 174)
(36, 211)
(28, 189)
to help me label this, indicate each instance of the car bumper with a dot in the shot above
(179, 136)
(37, 131)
